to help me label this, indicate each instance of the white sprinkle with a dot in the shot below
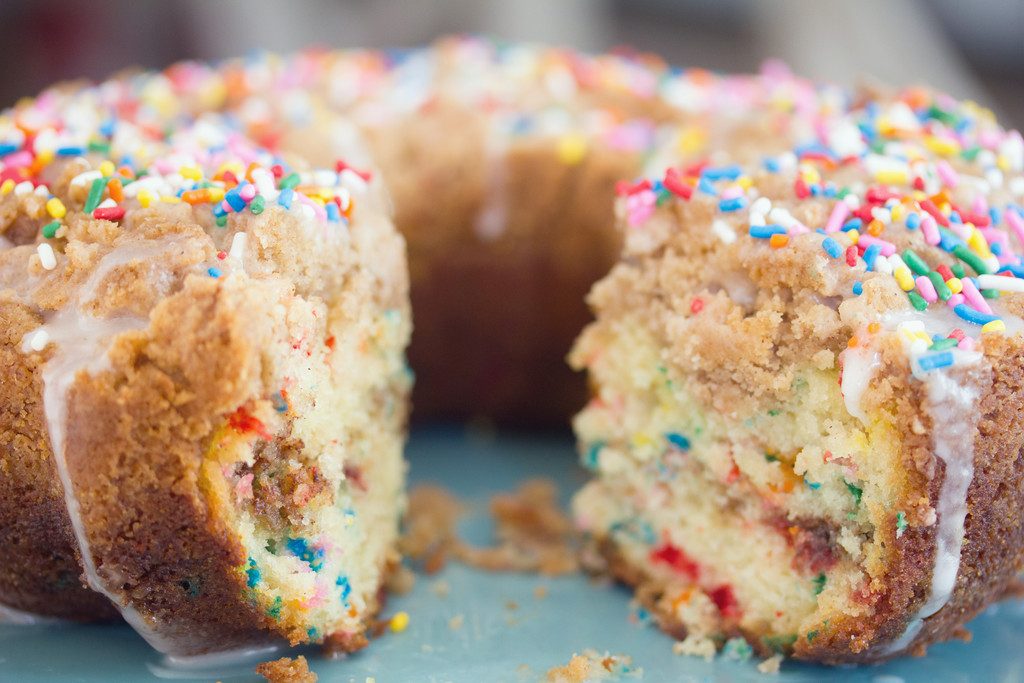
(723, 231)
(107, 204)
(23, 188)
(86, 178)
(761, 205)
(46, 256)
(238, 244)
(42, 191)
(1001, 283)
(38, 340)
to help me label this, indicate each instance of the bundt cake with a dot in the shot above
(807, 371)
(204, 395)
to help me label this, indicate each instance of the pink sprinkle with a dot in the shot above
(640, 207)
(887, 248)
(930, 230)
(974, 297)
(227, 207)
(1015, 222)
(927, 289)
(967, 344)
(18, 159)
(979, 205)
(955, 300)
(243, 489)
(835, 220)
(247, 192)
(947, 174)
(321, 212)
(731, 192)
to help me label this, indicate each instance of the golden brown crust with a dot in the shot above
(287, 670)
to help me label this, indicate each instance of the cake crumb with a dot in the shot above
(770, 665)
(429, 535)
(287, 670)
(591, 666)
(441, 588)
(401, 581)
(340, 644)
(696, 646)
(540, 592)
(455, 623)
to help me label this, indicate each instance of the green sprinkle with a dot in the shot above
(99, 146)
(819, 583)
(843, 193)
(737, 650)
(915, 262)
(958, 270)
(940, 286)
(990, 293)
(811, 635)
(971, 153)
(901, 523)
(856, 491)
(275, 610)
(50, 230)
(941, 115)
(771, 458)
(95, 194)
(773, 412)
(289, 181)
(971, 259)
(257, 204)
(222, 221)
(780, 644)
(917, 301)
(943, 344)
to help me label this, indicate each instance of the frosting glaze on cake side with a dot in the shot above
(207, 402)
(806, 420)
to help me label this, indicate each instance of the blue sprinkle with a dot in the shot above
(285, 198)
(590, 458)
(996, 248)
(311, 633)
(973, 316)
(705, 186)
(299, 547)
(853, 224)
(815, 190)
(678, 440)
(913, 221)
(831, 247)
(993, 216)
(1016, 269)
(734, 204)
(870, 254)
(346, 587)
(219, 211)
(213, 272)
(107, 129)
(954, 217)
(722, 173)
(934, 361)
(813, 485)
(7, 148)
(71, 151)
(772, 165)
(253, 574)
(280, 405)
(333, 214)
(858, 288)
(234, 199)
(948, 241)
(766, 231)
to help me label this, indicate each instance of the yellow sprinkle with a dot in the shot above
(1003, 162)
(692, 140)
(400, 621)
(190, 172)
(107, 168)
(745, 182)
(7, 187)
(216, 194)
(55, 207)
(942, 146)
(891, 176)
(978, 244)
(145, 198)
(572, 149)
(903, 278)
(994, 326)
(955, 285)
(854, 235)
(170, 199)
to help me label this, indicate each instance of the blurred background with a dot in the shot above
(970, 48)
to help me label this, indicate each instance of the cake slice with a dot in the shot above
(204, 402)
(806, 423)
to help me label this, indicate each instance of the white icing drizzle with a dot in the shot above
(81, 344)
(217, 665)
(953, 409)
(859, 366)
(10, 615)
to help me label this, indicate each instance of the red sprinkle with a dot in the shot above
(801, 189)
(329, 342)
(246, 423)
(980, 220)
(919, 184)
(851, 255)
(957, 334)
(222, 255)
(725, 599)
(624, 188)
(677, 559)
(939, 217)
(696, 305)
(674, 184)
(340, 166)
(110, 213)
(945, 272)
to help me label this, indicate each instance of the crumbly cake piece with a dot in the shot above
(287, 670)
(806, 422)
(208, 398)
